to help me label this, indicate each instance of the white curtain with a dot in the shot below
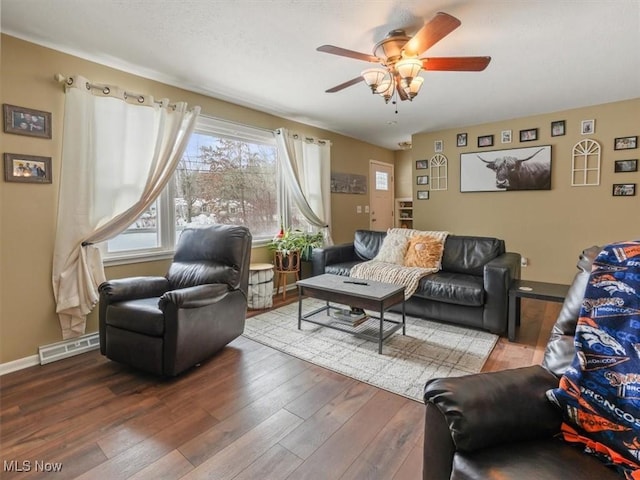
(119, 150)
(306, 170)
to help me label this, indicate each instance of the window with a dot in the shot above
(382, 181)
(228, 174)
(142, 235)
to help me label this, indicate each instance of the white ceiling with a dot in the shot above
(547, 55)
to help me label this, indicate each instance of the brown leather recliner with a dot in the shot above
(164, 325)
(500, 425)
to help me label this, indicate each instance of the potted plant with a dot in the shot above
(307, 242)
(292, 245)
(286, 251)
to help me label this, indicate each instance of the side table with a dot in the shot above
(260, 292)
(550, 292)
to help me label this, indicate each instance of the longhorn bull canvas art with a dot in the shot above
(506, 170)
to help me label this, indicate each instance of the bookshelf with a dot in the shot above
(404, 212)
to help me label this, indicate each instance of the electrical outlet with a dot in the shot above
(524, 262)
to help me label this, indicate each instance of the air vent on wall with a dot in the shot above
(68, 348)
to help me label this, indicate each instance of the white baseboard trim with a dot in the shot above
(55, 351)
(19, 364)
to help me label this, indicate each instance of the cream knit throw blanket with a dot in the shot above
(385, 272)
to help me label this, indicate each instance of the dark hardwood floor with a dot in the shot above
(250, 412)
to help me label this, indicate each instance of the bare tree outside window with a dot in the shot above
(230, 182)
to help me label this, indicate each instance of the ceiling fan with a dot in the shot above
(399, 55)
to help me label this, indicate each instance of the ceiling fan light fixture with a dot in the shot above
(387, 88)
(409, 68)
(414, 87)
(374, 77)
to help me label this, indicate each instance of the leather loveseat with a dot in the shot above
(471, 289)
(500, 425)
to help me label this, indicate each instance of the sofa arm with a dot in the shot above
(438, 448)
(132, 288)
(488, 409)
(194, 297)
(498, 274)
(321, 257)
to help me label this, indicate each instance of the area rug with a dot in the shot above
(428, 350)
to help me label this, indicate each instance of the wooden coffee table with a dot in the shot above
(365, 294)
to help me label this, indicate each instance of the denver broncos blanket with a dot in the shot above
(600, 393)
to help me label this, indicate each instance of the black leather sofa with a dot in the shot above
(164, 325)
(471, 289)
(500, 425)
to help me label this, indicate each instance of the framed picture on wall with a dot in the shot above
(422, 164)
(26, 121)
(588, 127)
(461, 140)
(422, 180)
(625, 166)
(438, 146)
(490, 171)
(485, 141)
(348, 183)
(625, 143)
(558, 128)
(27, 168)
(529, 135)
(624, 189)
(422, 194)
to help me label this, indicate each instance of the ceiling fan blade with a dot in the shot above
(344, 85)
(431, 33)
(456, 64)
(343, 52)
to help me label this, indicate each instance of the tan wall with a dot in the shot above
(343, 206)
(404, 173)
(27, 224)
(548, 227)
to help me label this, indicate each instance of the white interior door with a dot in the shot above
(381, 194)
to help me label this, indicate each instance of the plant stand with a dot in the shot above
(285, 265)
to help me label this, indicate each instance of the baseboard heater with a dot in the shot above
(68, 348)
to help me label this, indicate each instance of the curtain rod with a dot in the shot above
(58, 77)
(320, 141)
